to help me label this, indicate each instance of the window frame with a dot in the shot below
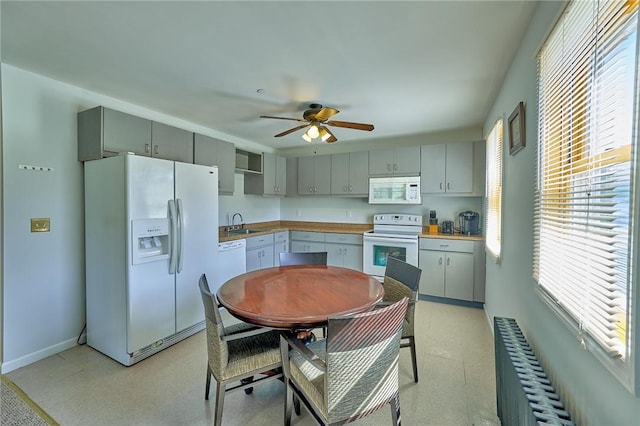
(574, 157)
(494, 189)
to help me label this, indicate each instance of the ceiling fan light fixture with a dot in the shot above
(313, 131)
(324, 134)
(306, 137)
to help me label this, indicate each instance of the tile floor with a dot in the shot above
(83, 387)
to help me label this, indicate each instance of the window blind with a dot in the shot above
(493, 192)
(587, 102)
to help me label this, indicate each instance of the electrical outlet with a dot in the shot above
(349, 213)
(299, 213)
(41, 224)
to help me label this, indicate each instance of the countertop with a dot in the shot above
(340, 228)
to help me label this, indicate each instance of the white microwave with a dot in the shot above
(394, 190)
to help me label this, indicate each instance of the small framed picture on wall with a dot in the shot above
(516, 129)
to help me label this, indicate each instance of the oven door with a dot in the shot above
(376, 249)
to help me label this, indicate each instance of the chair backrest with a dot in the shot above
(401, 279)
(217, 349)
(211, 311)
(404, 272)
(303, 258)
(362, 361)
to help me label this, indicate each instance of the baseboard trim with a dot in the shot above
(8, 366)
(466, 303)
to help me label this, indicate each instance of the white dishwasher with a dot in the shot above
(232, 261)
(232, 258)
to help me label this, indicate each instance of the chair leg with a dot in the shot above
(288, 400)
(414, 358)
(396, 420)
(220, 390)
(296, 405)
(208, 385)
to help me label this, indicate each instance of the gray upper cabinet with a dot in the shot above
(399, 161)
(171, 143)
(448, 168)
(349, 174)
(214, 152)
(272, 181)
(292, 177)
(314, 175)
(103, 132)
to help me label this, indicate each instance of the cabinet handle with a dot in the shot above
(389, 167)
(395, 167)
(345, 188)
(448, 261)
(440, 185)
(350, 188)
(440, 261)
(444, 245)
(315, 189)
(155, 149)
(147, 148)
(448, 185)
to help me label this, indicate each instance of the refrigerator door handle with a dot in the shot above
(180, 234)
(173, 255)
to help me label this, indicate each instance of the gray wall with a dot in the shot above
(43, 292)
(593, 394)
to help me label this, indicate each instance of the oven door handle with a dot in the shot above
(390, 240)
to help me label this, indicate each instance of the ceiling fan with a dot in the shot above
(317, 119)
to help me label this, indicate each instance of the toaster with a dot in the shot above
(447, 227)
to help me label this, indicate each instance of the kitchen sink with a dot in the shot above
(244, 231)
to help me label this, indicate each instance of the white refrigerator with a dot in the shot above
(151, 230)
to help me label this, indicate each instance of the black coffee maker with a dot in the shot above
(469, 223)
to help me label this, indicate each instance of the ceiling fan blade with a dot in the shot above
(325, 113)
(350, 125)
(286, 132)
(283, 118)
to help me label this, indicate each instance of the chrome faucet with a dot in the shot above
(233, 220)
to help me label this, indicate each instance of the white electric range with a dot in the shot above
(393, 235)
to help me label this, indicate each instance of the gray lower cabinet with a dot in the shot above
(344, 250)
(104, 132)
(259, 252)
(272, 180)
(314, 175)
(280, 245)
(349, 174)
(171, 143)
(209, 151)
(452, 268)
(304, 241)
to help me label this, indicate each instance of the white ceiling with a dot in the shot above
(406, 67)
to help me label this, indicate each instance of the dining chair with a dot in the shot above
(401, 279)
(351, 373)
(237, 353)
(303, 258)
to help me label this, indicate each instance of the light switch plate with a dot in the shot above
(40, 224)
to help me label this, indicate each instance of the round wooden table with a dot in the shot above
(299, 297)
